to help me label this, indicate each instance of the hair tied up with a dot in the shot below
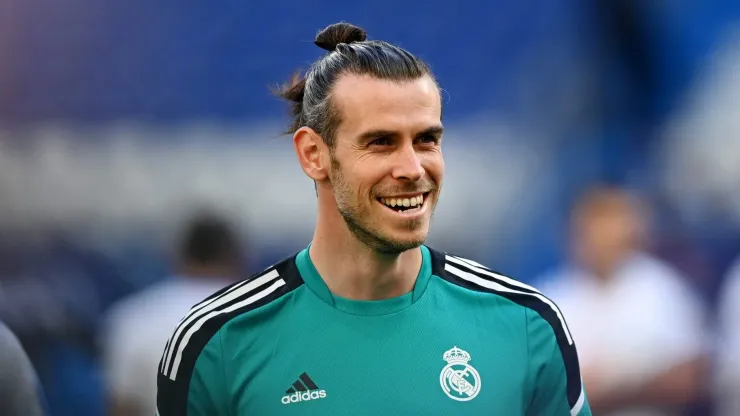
(337, 33)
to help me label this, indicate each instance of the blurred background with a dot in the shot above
(121, 123)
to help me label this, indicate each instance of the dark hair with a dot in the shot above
(349, 52)
(209, 240)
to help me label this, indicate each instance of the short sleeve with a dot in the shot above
(197, 390)
(554, 371)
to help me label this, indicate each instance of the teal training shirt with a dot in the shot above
(466, 341)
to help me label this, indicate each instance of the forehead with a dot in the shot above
(366, 103)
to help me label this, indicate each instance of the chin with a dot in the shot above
(407, 241)
(396, 247)
(392, 237)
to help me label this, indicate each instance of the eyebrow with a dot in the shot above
(374, 134)
(433, 131)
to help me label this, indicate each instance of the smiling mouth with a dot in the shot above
(405, 204)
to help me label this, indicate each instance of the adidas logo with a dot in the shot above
(304, 389)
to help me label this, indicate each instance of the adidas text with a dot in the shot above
(302, 396)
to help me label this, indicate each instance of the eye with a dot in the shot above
(428, 139)
(381, 141)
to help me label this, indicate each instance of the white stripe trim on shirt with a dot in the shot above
(254, 298)
(489, 284)
(579, 404)
(195, 309)
(206, 307)
(479, 268)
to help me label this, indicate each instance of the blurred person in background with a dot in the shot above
(20, 392)
(639, 327)
(52, 294)
(138, 326)
(727, 382)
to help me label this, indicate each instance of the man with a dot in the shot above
(368, 320)
(639, 328)
(20, 393)
(138, 326)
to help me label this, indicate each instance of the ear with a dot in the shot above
(309, 148)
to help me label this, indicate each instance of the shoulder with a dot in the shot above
(651, 271)
(546, 330)
(731, 287)
(12, 354)
(10, 347)
(207, 317)
(647, 275)
(18, 383)
(139, 305)
(476, 277)
(469, 273)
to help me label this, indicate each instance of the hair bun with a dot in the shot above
(338, 33)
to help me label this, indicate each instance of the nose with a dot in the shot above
(407, 166)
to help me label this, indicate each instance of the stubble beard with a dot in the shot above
(355, 217)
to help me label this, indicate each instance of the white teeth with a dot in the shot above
(403, 202)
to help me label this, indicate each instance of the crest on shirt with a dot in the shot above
(459, 380)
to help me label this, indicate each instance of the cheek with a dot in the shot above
(366, 177)
(435, 168)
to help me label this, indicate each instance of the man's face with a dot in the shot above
(387, 165)
(605, 232)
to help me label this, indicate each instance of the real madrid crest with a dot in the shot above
(459, 380)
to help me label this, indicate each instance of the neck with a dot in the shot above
(605, 270)
(352, 270)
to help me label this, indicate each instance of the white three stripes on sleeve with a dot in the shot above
(205, 307)
(205, 311)
(481, 269)
(531, 291)
(493, 285)
(259, 295)
(191, 313)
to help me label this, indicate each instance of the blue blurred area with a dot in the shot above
(164, 60)
(598, 78)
